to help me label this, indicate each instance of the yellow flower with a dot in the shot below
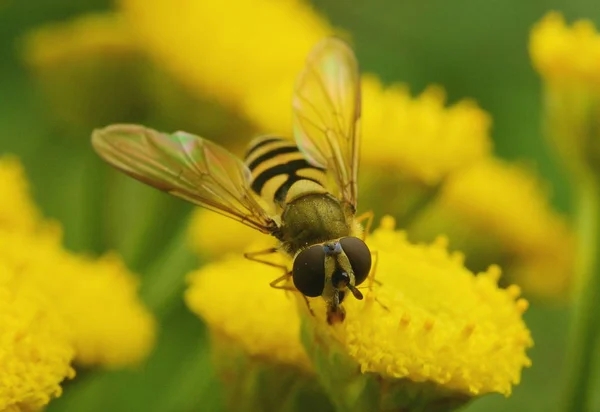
(96, 299)
(90, 69)
(59, 43)
(94, 72)
(210, 235)
(420, 137)
(206, 43)
(234, 297)
(431, 321)
(568, 59)
(17, 212)
(500, 210)
(242, 53)
(35, 348)
(564, 55)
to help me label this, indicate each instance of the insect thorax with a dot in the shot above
(312, 218)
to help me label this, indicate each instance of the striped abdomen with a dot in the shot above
(276, 164)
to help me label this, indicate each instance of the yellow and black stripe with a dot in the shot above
(276, 164)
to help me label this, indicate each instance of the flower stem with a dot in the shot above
(586, 314)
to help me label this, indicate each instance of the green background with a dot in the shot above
(474, 49)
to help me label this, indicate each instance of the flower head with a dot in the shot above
(503, 214)
(568, 59)
(564, 55)
(431, 321)
(420, 137)
(234, 297)
(204, 44)
(96, 299)
(17, 212)
(35, 349)
(210, 235)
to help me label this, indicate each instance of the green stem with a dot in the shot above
(418, 206)
(586, 317)
(164, 281)
(95, 209)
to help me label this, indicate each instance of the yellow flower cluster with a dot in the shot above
(437, 321)
(18, 214)
(503, 206)
(566, 56)
(210, 235)
(493, 192)
(60, 306)
(431, 320)
(215, 48)
(234, 297)
(60, 43)
(97, 299)
(420, 137)
(218, 50)
(35, 350)
(568, 59)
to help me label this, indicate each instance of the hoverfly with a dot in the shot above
(281, 187)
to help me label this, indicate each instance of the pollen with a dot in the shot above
(454, 328)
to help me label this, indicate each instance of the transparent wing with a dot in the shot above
(327, 113)
(186, 166)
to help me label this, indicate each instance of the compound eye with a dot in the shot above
(308, 271)
(359, 256)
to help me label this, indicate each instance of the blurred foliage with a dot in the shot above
(474, 49)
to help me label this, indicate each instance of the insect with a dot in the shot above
(281, 188)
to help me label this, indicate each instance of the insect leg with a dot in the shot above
(275, 284)
(372, 280)
(253, 256)
(286, 273)
(283, 278)
(368, 216)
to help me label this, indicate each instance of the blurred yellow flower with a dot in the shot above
(17, 212)
(58, 43)
(565, 55)
(210, 235)
(251, 64)
(503, 207)
(90, 69)
(243, 53)
(93, 72)
(420, 137)
(96, 299)
(35, 348)
(568, 59)
(440, 324)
